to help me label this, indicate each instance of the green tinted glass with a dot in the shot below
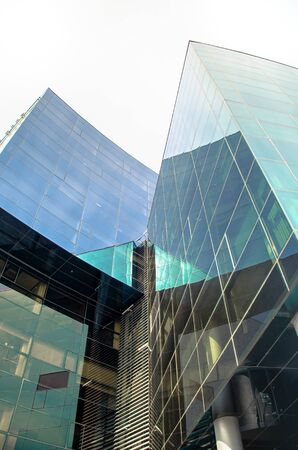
(276, 223)
(171, 271)
(115, 261)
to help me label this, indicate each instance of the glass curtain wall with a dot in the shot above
(66, 180)
(59, 342)
(219, 211)
(42, 356)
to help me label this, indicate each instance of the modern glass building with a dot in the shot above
(59, 344)
(71, 205)
(66, 180)
(224, 226)
(184, 340)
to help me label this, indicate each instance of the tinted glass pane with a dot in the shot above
(276, 223)
(55, 380)
(279, 175)
(289, 200)
(260, 314)
(241, 225)
(258, 186)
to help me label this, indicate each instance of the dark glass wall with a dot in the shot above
(62, 177)
(59, 329)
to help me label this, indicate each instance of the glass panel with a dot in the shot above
(224, 261)
(219, 375)
(191, 381)
(288, 150)
(279, 175)
(226, 204)
(250, 272)
(10, 271)
(289, 201)
(262, 148)
(272, 116)
(251, 127)
(258, 186)
(195, 409)
(289, 260)
(276, 223)
(281, 132)
(214, 338)
(115, 261)
(260, 314)
(244, 158)
(241, 225)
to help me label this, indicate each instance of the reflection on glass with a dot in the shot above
(72, 184)
(39, 386)
(222, 225)
(115, 261)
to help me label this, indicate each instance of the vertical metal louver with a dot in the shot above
(97, 418)
(96, 406)
(132, 407)
(133, 418)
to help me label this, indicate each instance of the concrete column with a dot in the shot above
(227, 433)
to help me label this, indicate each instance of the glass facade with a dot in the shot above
(65, 188)
(42, 355)
(59, 344)
(107, 343)
(223, 221)
(63, 178)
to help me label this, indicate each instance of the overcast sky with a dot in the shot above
(118, 62)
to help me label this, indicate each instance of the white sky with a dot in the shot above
(118, 62)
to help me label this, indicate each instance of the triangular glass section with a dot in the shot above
(115, 261)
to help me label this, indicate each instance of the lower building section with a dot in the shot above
(238, 330)
(58, 377)
(42, 356)
(88, 362)
(59, 343)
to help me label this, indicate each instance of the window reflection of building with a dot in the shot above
(36, 340)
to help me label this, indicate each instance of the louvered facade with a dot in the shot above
(132, 428)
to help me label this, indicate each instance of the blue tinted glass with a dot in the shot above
(60, 167)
